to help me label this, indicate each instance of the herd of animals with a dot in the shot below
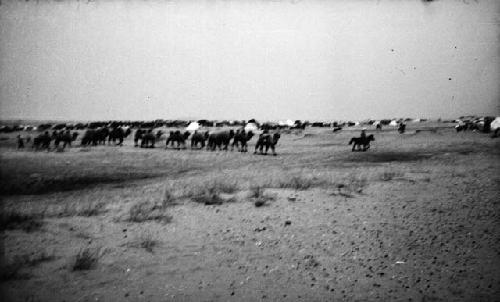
(215, 140)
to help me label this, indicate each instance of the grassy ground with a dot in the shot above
(415, 217)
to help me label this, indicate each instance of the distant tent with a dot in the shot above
(251, 127)
(393, 123)
(290, 123)
(193, 126)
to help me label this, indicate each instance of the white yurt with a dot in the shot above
(193, 126)
(393, 123)
(251, 127)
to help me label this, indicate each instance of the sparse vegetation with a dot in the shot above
(256, 192)
(148, 211)
(14, 270)
(390, 175)
(10, 220)
(86, 259)
(258, 196)
(305, 220)
(297, 182)
(147, 242)
(210, 194)
(73, 208)
(168, 198)
(350, 185)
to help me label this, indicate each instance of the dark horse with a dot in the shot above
(363, 142)
(240, 140)
(268, 141)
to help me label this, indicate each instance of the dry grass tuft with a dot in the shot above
(351, 185)
(10, 220)
(390, 175)
(86, 259)
(91, 209)
(210, 194)
(147, 211)
(297, 182)
(169, 198)
(71, 209)
(256, 192)
(12, 270)
(258, 196)
(147, 242)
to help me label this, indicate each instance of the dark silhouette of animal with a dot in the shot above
(66, 138)
(402, 128)
(42, 141)
(95, 137)
(219, 139)
(177, 137)
(138, 136)
(266, 140)
(101, 135)
(159, 133)
(361, 142)
(240, 140)
(20, 142)
(199, 138)
(89, 138)
(115, 134)
(148, 139)
(56, 137)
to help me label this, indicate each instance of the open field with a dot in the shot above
(416, 218)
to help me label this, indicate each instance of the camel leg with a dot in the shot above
(256, 147)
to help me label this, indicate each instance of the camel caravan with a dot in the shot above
(232, 136)
(221, 140)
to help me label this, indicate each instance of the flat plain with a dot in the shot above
(415, 218)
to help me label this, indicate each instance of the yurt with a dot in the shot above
(251, 127)
(193, 126)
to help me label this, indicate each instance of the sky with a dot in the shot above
(262, 59)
